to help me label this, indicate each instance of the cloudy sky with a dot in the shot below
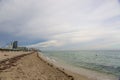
(61, 24)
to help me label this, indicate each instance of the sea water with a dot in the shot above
(106, 61)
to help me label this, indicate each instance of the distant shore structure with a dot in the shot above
(13, 45)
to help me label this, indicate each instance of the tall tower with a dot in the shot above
(15, 44)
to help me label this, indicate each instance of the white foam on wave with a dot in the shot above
(49, 59)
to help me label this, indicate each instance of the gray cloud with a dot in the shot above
(81, 24)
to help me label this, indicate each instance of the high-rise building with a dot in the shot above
(15, 44)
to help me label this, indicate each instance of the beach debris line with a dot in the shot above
(7, 63)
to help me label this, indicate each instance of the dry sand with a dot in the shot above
(32, 67)
(10, 54)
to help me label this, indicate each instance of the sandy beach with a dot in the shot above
(30, 67)
(10, 54)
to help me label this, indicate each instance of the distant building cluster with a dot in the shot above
(13, 45)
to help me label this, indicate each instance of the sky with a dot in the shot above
(61, 24)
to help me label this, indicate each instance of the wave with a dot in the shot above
(48, 58)
(101, 61)
(101, 68)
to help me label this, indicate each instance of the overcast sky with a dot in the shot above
(61, 24)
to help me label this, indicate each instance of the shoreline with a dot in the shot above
(75, 75)
(87, 73)
(36, 64)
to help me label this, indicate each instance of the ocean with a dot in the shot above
(106, 61)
